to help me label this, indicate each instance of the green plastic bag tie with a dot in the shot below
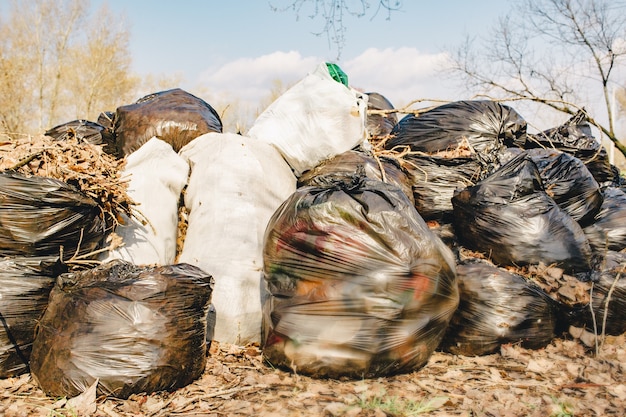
(337, 73)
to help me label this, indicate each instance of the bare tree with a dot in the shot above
(564, 54)
(333, 14)
(58, 63)
(100, 70)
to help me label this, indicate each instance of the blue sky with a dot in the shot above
(236, 50)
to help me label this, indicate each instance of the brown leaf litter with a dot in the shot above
(81, 164)
(562, 379)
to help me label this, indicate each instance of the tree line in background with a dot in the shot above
(59, 63)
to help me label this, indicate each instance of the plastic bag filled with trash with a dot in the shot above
(235, 186)
(133, 329)
(576, 138)
(569, 183)
(42, 216)
(317, 118)
(605, 312)
(346, 164)
(608, 229)
(25, 285)
(156, 177)
(175, 116)
(486, 126)
(359, 286)
(497, 307)
(379, 124)
(509, 217)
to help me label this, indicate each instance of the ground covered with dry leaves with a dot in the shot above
(562, 379)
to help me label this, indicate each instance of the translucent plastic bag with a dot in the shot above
(175, 116)
(359, 286)
(25, 285)
(134, 329)
(348, 163)
(42, 216)
(498, 307)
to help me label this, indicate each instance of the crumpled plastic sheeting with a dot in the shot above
(509, 217)
(497, 307)
(134, 329)
(38, 215)
(360, 287)
(25, 284)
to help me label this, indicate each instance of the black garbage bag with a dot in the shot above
(435, 179)
(25, 285)
(90, 132)
(346, 164)
(497, 307)
(41, 215)
(380, 124)
(486, 126)
(175, 116)
(134, 329)
(576, 138)
(359, 286)
(608, 230)
(509, 217)
(608, 299)
(570, 184)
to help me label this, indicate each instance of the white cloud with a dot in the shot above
(401, 74)
(249, 80)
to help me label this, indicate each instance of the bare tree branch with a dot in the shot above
(583, 42)
(334, 13)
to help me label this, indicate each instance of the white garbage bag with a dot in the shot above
(314, 120)
(157, 176)
(236, 184)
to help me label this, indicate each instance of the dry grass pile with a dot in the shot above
(78, 163)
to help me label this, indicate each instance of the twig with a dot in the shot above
(593, 318)
(606, 307)
(25, 161)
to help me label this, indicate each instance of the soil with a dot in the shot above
(566, 378)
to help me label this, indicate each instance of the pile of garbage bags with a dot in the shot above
(343, 245)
